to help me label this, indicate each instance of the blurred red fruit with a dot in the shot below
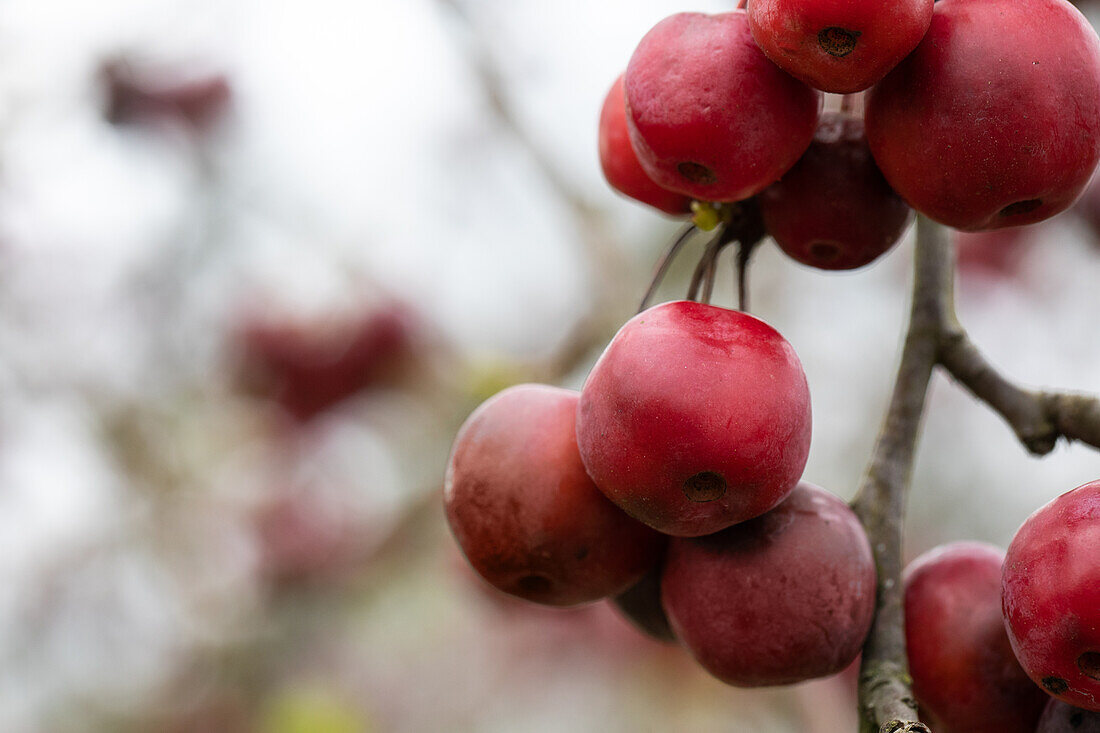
(308, 367)
(305, 536)
(142, 95)
(997, 253)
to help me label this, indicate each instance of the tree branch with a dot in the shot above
(885, 698)
(1038, 418)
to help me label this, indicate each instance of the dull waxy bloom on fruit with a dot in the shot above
(964, 672)
(834, 210)
(980, 128)
(525, 513)
(779, 599)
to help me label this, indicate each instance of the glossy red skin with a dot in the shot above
(620, 163)
(782, 598)
(525, 513)
(309, 367)
(701, 95)
(641, 605)
(964, 672)
(787, 31)
(999, 106)
(1050, 590)
(1062, 718)
(686, 389)
(834, 210)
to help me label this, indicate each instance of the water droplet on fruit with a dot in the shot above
(837, 42)
(704, 486)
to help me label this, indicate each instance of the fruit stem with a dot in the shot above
(885, 697)
(665, 262)
(726, 235)
(744, 254)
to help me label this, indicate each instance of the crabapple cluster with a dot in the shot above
(980, 114)
(672, 482)
(993, 637)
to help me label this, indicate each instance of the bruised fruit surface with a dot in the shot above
(620, 163)
(694, 418)
(834, 210)
(964, 672)
(1050, 590)
(710, 116)
(524, 511)
(779, 599)
(994, 120)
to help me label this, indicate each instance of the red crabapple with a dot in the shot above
(709, 115)
(779, 599)
(525, 513)
(834, 210)
(994, 120)
(143, 95)
(307, 367)
(964, 673)
(1050, 590)
(620, 163)
(695, 418)
(1062, 718)
(838, 46)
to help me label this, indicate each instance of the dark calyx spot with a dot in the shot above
(705, 486)
(697, 172)
(824, 251)
(837, 42)
(1021, 207)
(1089, 664)
(1055, 685)
(534, 585)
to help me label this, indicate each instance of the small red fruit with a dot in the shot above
(839, 46)
(525, 513)
(695, 418)
(834, 210)
(782, 598)
(1062, 718)
(964, 673)
(308, 367)
(137, 94)
(620, 163)
(709, 115)
(994, 120)
(1051, 595)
